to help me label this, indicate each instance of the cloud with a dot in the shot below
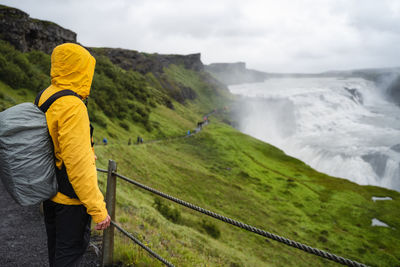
(285, 35)
(376, 16)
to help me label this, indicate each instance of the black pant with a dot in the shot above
(68, 233)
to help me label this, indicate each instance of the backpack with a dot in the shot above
(27, 162)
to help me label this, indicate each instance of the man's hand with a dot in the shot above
(104, 224)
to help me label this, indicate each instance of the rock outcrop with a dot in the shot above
(28, 34)
(235, 73)
(394, 90)
(144, 63)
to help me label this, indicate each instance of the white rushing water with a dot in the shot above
(343, 127)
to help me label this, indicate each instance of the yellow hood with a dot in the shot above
(72, 67)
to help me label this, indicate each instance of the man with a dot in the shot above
(68, 214)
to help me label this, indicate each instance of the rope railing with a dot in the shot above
(101, 170)
(108, 234)
(247, 227)
(137, 241)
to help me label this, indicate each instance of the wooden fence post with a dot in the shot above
(108, 234)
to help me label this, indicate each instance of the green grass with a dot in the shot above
(240, 177)
(219, 169)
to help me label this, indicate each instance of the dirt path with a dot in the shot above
(23, 236)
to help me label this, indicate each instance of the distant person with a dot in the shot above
(129, 141)
(139, 140)
(105, 141)
(188, 132)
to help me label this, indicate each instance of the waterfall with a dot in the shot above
(343, 127)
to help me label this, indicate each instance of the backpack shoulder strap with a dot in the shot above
(38, 97)
(45, 106)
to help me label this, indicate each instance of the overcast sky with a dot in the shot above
(269, 35)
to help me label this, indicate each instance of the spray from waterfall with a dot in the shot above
(345, 127)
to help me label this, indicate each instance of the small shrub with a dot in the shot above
(148, 126)
(152, 104)
(124, 125)
(324, 232)
(171, 214)
(111, 134)
(97, 118)
(131, 106)
(41, 60)
(22, 62)
(155, 124)
(142, 111)
(123, 219)
(361, 250)
(136, 117)
(11, 74)
(298, 205)
(168, 104)
(322, 239)
(22, 93)
(211, 229)
(244, 174)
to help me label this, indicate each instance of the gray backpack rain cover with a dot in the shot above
(27, 166)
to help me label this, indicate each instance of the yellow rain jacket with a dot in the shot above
(72, 67)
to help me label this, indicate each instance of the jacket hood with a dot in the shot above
(72, 67)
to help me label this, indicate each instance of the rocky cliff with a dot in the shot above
(143, 62)
(235, 73)
(27, 34)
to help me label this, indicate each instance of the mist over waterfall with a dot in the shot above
(343, 127)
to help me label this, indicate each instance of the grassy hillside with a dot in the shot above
(243, 178)
(219, 169)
